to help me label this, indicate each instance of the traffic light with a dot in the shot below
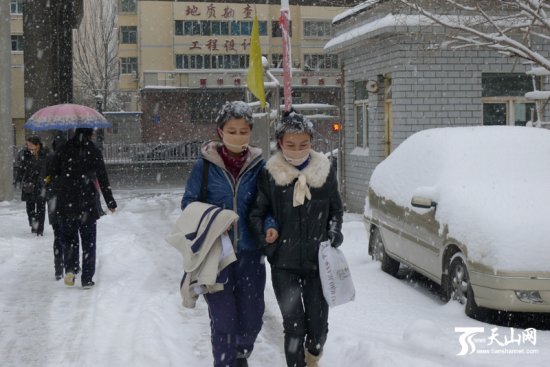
(336, 127)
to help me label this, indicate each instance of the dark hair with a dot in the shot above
(57, 142)
(294, 123)
(234, 110)
(83, 132)
(35, 140)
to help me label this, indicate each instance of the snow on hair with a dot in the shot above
(293, 123)
(234, 110)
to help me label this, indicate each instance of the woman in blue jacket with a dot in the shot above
(229, 170)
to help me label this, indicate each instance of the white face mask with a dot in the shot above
(296, 157)
(236, 143)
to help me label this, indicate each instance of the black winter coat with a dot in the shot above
(31, 173)
(303, 227)
(75, 168)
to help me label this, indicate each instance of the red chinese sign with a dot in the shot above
(193, 10)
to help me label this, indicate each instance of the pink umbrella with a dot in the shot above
(65, 117)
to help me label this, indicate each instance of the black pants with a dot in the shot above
(70, 229)
(58, 261)
(36, 213)
(304, 311)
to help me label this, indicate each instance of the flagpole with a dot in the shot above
(284, 24)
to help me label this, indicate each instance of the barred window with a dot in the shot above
(321, 29)
(17, 43)
(128, 6)
(16, 7)
(276, 30)
(277, 61)
(128, 65)
(217, 28)
(319, 62)
(128, 34)
(212, 61)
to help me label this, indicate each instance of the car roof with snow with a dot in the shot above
(491, 185)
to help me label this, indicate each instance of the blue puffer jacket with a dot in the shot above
(222, 187)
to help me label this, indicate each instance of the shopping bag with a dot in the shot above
(335, 275)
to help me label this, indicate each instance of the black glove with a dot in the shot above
(336, 238)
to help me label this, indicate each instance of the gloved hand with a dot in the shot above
(336, 238)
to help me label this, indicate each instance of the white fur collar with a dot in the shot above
(284, 173)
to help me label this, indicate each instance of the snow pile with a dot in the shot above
(355, 10)
(491, 185)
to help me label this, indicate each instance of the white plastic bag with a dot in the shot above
(335, 275)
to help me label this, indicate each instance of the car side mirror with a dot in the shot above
(423, 202)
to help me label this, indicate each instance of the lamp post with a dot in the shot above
(100, 132)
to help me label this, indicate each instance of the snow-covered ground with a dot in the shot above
(133, 316)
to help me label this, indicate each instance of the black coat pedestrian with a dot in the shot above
(303, 227)
(76, 167)
(31, 173)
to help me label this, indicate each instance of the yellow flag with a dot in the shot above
(255, 78)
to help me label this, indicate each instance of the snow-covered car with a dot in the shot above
(469, 208)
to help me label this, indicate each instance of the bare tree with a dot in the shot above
(512, 27)
(95, 64)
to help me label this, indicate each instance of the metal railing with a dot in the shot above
(121, 153)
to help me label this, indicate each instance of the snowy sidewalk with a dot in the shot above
(133, 316)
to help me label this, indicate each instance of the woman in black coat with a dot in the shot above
(298, 186)
(31, 175)
(76, 167)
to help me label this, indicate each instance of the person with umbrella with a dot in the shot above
(76, 166)
(30, 174)
(53, 217)
(76, 214)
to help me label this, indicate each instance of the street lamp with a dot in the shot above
(100, 132)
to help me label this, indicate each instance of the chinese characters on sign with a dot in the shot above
(194, 11)
(227, 13)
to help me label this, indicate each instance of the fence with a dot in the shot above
(118, 153)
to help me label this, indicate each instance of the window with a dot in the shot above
(128, 65)
(212, 61)
(317, 29)
(276, 30)
(16, 7)
(262, 27)
(320, 62)
(503, 99)
(128, 34)
(235, 28)
(128, 6)
(206, 29)
(179, 27)
(217, 28)
(115, 129)
(17, 43)
(361, 114)
(246, 28)
(277, 61)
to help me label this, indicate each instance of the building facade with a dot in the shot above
(17, 70)
(398, 81)
(179, 61)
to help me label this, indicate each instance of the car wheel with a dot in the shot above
(389, 265)
(460, 289)
(458, 280)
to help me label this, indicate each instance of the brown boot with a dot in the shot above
(312, 360)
